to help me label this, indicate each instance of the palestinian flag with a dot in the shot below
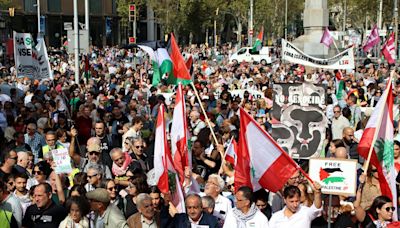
(339, 84)
(154, 64)
(331, 175)
(180, 72)
(258, 43)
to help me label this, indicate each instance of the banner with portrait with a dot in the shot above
(298, 120)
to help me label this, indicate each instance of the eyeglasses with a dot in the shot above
(388, 209)
(94, 153)
(139, 147)
(37, 172)
(374, 170)
(209, 182)
(90, 177)
(112, 189)
(13, 158)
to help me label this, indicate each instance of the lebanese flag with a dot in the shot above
(379, 134)
(231, 152)
(261, 162)
(327, 38)
(165, 168)
(389, 50)
(179, 134)
(373, 39)
(180, 72)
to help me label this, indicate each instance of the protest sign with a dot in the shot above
(62, 160)
(31, 61)
(336, 176)
(298, 120)
(341, 61)
(42, 61)
(25, 64)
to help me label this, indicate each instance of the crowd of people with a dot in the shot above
(107, 124)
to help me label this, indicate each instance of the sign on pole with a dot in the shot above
(31, 61)
(23, 52)
(336, 176)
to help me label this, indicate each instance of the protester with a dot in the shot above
(10, 203)
(44, 212)
(295, 214)
(146, 215)
(106, 214)
(245, 214)
(78, 207)
(194, 214)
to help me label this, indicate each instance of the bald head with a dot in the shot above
(341, 153)
(348, 135)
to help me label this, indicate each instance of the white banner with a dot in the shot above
(43, 61)
(30, 61)
(23, 55)
(341, 61)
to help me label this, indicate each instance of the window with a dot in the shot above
(95, 6)
(242, 51)
(54, 5)
(30, 5)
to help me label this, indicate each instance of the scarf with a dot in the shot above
(121, 171)
(241, 218)
(381, 224)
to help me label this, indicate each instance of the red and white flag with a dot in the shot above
(389, 50)
(164, 167)
(327, 38)
(179, 134)
(261, 162)
(379, 134)
(231, 152)
(373, 39)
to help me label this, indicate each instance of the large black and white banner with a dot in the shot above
(341, 61)
(298, 120)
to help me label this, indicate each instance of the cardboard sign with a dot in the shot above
(63, 160)
(336, 176)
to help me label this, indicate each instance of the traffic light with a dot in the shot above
(132, 12)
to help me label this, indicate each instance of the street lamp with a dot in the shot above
(239, 26)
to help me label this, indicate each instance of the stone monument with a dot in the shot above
(316, 18)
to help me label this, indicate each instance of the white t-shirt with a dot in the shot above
(301, 219)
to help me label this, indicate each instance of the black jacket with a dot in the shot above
(182, 221)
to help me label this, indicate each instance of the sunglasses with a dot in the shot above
(374, 170)
(139, 147)
(37, 172)
(90, 177)
(388, 209)
(94, 153)
(13, 158)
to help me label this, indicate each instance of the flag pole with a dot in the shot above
(337, 49)
(205, 115)
(381, 111)
(223, 161)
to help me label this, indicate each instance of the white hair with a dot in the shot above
(221, 182)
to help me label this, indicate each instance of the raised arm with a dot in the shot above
(76, 157)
